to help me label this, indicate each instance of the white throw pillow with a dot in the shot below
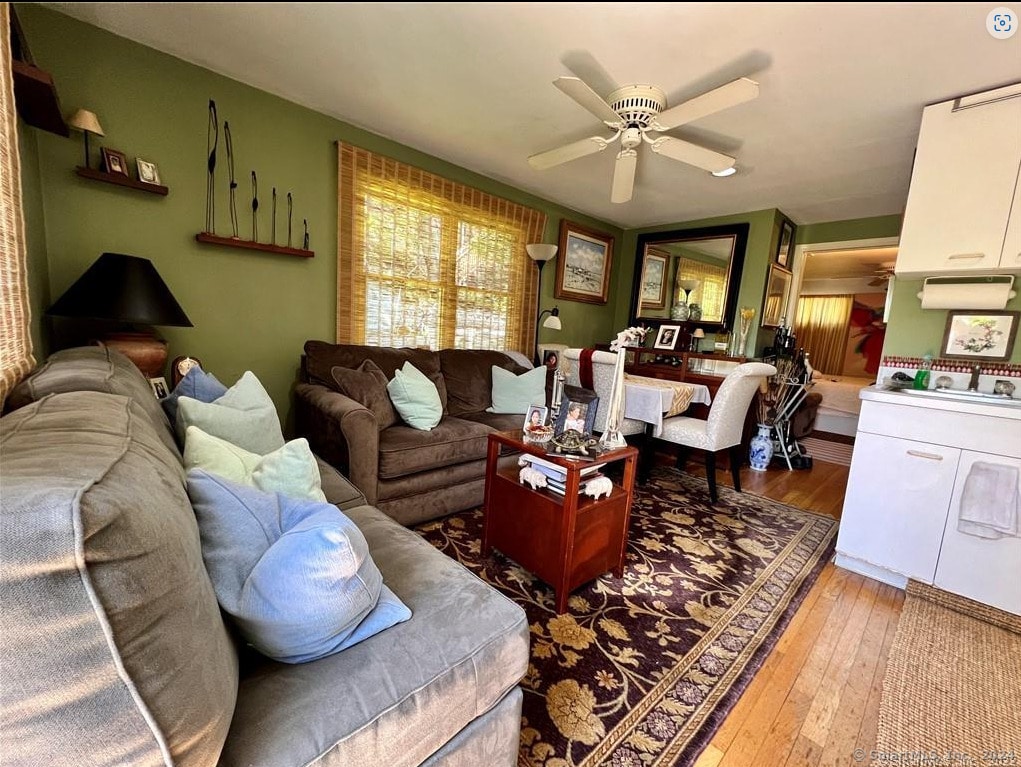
(514, 394)
(245, 416)
(415, 398)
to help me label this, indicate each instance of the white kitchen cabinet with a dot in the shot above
(963, 186)
(898, 493)
(986, 570)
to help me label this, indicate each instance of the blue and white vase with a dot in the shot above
(761, 449)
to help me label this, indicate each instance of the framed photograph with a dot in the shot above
(980, 335)
(551, 359)
(148, 173)
(667, 336)
(583, 266)
(654, 273)
(159, 387)
(114, 161)
(536, 416)
(786, 244)
(578, 408)
(778, 290)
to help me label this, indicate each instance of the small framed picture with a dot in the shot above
(551, 359)
(148, 173)
(786, 243)
(536, 417)
(114, 161)
(578, 408)
(159, 387)
(980, 335)
(666, 338)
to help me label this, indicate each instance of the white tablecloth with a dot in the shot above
(649, 403)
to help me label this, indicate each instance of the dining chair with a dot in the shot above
(725, 425)
(603, 364)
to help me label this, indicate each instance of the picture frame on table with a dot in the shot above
(551, 358)
(578, 406)
(148, 173)
(536, 416)
(583, 266)
(159, 387)
(654, 274)
(979, 335)
(785, 245)
(666, 337)
(115, 162)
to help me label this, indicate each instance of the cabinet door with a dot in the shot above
(988, 571)
(966, 168)
(895, 508)
(1011, 256)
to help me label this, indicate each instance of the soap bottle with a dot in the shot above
(922, 376)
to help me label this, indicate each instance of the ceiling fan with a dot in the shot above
(636, 113)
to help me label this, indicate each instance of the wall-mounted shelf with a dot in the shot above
(265, 247)
(36, 98)
(121, 180)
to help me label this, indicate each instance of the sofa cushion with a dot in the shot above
(415, 398)
(367, 386)
(398, 697)
(93, 368)
(294, 574)
(497, 421)
(516, 393)
(320, 358)
(197, 384)
(244, 416)
(291, 470)
(468, 374)
(114, 651)
(403, 450)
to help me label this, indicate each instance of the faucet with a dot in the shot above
(976, 371)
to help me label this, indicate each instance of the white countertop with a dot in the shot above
(934, 400)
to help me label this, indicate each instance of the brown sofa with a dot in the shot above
(411, 475)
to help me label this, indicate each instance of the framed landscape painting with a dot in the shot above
(583, 268)
(654, 272)
(979, 335)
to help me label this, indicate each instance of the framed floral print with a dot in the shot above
(980, 335)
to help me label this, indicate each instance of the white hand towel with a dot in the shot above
(990, 501)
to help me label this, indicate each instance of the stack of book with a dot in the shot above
(556, 476)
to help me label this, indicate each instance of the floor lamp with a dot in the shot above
(540, 253)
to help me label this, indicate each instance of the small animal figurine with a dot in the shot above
(532, 477)
(599, 486)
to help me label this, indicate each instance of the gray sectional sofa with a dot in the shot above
(114, 651)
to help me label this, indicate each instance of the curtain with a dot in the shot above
(710, 293)
(425, 261)
(16, 358)
(821, 327)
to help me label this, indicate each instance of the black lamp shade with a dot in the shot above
(124, 289)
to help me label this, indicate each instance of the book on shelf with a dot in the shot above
(538, 463)
(560, 486)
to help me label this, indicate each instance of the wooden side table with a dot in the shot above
(565, 540)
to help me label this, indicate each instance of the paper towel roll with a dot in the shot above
(966, 295)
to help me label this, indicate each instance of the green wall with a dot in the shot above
(250, 310)
(850, 229)
(38, 271)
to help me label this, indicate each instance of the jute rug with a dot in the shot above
(952, 684)
(642, 670)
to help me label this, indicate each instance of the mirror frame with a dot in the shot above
(740, 234)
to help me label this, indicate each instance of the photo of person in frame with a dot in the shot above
(576, 412)
(535, 418)
(551, 359)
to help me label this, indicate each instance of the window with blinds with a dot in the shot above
(426, 262)
(15, 342)
(711, 291)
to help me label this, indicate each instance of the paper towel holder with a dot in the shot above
(969, 292)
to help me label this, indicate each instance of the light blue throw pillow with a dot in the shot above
(295, 575)
(415, 398)
(514, 394)
(244, 416)
(196, 384)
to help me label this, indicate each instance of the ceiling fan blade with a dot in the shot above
(567, 152)
(579, 91)
(624, 176)
(729, 95)
(693, 154)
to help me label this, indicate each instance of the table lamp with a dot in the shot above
(696, 336)
(129, 291)
(87, 123)
(540, 253)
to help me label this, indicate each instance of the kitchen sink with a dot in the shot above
(973, 396)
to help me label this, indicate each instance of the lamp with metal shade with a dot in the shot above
(540, 253)
(87, 123)
(126, 290)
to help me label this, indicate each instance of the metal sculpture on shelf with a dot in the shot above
(212, 141)
(290, 208)
(229, 142)
(273, 224)
(255, 207)
(304, 241)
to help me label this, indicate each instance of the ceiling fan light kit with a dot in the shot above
(635, 111)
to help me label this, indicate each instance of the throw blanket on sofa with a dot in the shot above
(585, 368)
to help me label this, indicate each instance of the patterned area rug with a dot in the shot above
(642, 670)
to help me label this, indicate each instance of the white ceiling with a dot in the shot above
(830, 137)
(845, 264)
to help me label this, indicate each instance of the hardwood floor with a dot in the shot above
(816, 697)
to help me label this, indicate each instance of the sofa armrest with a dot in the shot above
(341, 431)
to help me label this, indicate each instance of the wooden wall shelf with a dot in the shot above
(36, 98)
(118, 179)
(265, 247)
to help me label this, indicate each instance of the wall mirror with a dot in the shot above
(676, 271)
(778, 290)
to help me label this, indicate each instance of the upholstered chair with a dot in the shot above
(602, 381)
(725, 424)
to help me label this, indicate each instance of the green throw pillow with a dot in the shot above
(514, 394)
(244, 416)
(415, 398)
(292, 470)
